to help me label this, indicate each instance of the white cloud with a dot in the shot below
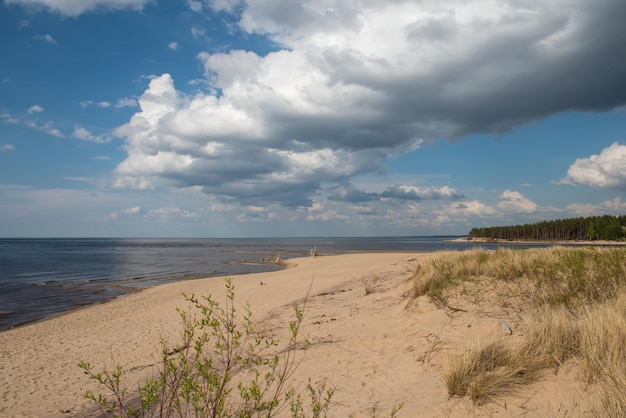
(173, 46)
(46, 38)
(132, 211)
(126, 102)
(470, 208)
(102, 104)
(398, 192)
(7, 118)
(604, 171)
(54, 132)
(514, 202)
(83, 134)
(319, 212)
(169, 213)
(77, 7)
(47, 127)
(609, 207)
(256, 214)
(7, 148)
(459, 213)
(421, 193)
(209, 139)
(33, 123)
(197, 32)
(215, 5)
(195, 5)
(35, 109)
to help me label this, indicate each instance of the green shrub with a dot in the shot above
(222, 368)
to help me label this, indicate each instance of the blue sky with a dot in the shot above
(220, 118)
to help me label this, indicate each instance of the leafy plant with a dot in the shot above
(222, 368)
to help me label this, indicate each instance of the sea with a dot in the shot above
(40, 278)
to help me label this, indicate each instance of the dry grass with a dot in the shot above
(603, 347)
(371, 283)
(552, 336)
(560, 276)
(487, 371)
(578, 298)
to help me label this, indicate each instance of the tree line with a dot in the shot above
(605, 227)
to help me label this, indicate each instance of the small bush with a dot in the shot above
(222, 368)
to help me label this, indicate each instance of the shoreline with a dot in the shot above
(369, 340)
(278, 261)
(39, 360)
(127, 287)
(46, 277)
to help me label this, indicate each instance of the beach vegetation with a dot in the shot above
(371, 283)
(222, 367)
(487, 370)
(551, 276)
(572, 305)
(394, 410)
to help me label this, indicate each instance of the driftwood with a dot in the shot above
(506, 329)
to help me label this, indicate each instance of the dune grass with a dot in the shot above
(560, 276)
(486, 371)
(577, 299)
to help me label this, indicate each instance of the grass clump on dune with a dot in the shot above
(486, 371)
(560, 276)
(603, 348)
(577, 297)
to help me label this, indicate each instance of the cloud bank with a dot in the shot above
(354, 84)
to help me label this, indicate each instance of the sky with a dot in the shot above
(263, 118)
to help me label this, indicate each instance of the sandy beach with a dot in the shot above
(372, 347)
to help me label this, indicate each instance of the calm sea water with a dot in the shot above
(43, 277)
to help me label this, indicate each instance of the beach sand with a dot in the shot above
(373, 347)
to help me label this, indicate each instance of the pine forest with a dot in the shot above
(607, 227)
